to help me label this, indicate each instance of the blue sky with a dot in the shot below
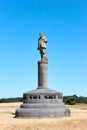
(64, 23)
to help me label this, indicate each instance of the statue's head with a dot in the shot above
(40, 34)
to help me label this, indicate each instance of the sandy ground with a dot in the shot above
(77, 120)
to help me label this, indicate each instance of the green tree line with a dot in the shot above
(8, 100)
(70, 100)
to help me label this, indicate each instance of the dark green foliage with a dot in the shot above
(7, 100)
(72, 100)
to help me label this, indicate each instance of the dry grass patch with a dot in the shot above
(77, 121)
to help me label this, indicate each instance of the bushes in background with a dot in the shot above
(72, 100)
(7, 100)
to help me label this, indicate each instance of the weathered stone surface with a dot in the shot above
(42, 112)
(42, 75)
(42, 102)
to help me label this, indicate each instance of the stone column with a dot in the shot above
(42, 75)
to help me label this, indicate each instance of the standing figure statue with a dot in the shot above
(42, 40)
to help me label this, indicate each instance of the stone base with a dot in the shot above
(42, 112)
(42, 103)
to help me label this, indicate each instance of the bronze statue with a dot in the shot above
(42, 40)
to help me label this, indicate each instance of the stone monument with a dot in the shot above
(42, 102)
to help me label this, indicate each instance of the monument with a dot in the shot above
(42, 102)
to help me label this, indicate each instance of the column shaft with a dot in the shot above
(42, 75)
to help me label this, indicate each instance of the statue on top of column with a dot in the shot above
(42, 40)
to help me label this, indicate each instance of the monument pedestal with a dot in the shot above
(42, 102)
